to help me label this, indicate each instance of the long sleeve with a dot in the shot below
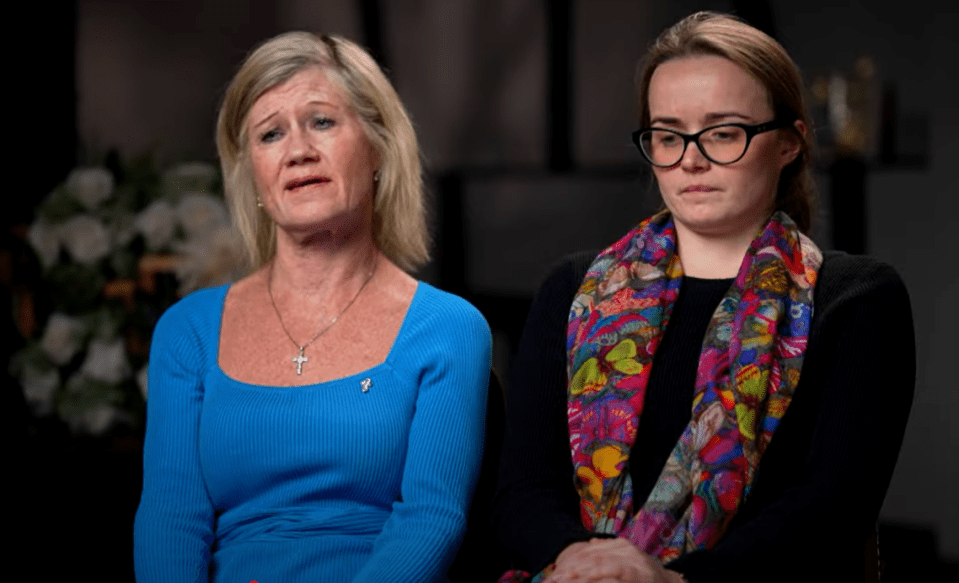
(419, 540)
(823, 478)
(536, 509)
(173, 531)
(821, 482)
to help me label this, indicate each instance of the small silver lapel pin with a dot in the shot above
(366, 384)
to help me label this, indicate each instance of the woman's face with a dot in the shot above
(709, 199)
(312, 163)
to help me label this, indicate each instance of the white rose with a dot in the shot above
(86, 239)
(141, 378)
(189, 176)
(45, 240)
(211, 260)
(201, 214)
(91, 186)
(97, 420)
(39, 389)
(61, 338)
(106, 361)
(157, 224)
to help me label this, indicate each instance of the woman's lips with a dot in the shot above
(306, 181)
(699, 188)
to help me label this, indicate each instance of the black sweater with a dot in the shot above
(822, 480)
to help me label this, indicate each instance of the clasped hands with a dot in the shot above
(614, 560)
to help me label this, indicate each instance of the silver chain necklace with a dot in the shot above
(299, 359)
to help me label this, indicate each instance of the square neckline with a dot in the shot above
(352, 377)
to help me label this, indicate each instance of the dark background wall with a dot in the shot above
(479, 78)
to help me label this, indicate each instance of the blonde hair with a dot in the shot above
(399, 208)
(710, 33)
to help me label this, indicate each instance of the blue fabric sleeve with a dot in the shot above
(451, 352)
(173, 531)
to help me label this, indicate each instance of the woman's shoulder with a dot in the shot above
(844, 278)
(441, 327)
(565, 277)
(199, 310)
(432, 305)
(574, 265)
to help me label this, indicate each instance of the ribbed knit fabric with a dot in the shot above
(821, 482)
(316, 483)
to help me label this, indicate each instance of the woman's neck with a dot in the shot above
(712, 256)
(316, 270)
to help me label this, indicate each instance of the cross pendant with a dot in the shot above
(299, 360)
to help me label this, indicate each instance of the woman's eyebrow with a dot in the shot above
(709, 117)
(264, 119)
(321, 102)
(723, 115)
(665, 120)
(271, 115)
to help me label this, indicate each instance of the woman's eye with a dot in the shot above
(270, 136)
(322, 123)
(668, 140)
(724, 135)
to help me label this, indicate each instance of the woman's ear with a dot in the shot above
(791, 143)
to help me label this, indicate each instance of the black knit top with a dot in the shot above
(821, 481)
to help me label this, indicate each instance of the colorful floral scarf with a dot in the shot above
(748, 368)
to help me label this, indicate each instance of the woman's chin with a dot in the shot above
(337, 229)
(718, 225)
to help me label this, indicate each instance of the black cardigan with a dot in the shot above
(822, 480)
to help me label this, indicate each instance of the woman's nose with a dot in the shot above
(693, 159)
(300, 149)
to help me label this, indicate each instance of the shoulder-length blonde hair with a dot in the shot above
(399, 209)
(711, 33)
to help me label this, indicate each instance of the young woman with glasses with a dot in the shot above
(712, 397)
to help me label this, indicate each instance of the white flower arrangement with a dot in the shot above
(201, 215)
(157, 224)
(39, 388)
(85, 238)
(45, 240)
(207, 260)
(106, 361)
(141, 378)
(116, 248)
(62, 338)
(90, 186)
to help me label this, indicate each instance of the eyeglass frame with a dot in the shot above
(752, 130)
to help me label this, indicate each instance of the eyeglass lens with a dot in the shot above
(721, 144)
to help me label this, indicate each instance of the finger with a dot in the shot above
(568, 572)
(602, 580)
(571, 551)
(599, 566)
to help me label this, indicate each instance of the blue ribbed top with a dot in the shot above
(321, 482)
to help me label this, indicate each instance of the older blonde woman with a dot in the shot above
(321, 419)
